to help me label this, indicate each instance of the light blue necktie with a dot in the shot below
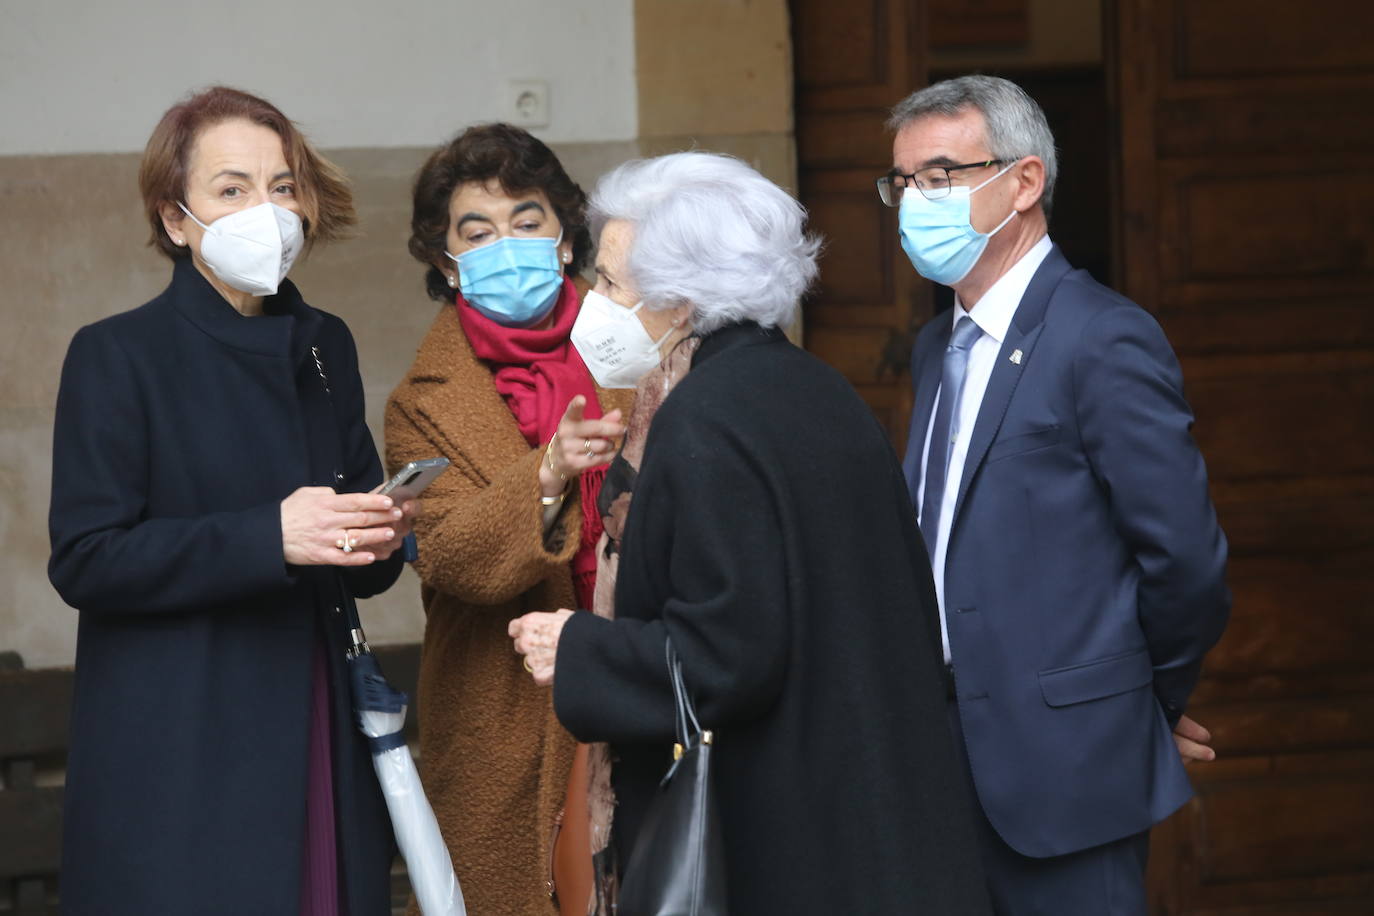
(946, 428)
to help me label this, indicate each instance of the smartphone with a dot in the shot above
(412, 479)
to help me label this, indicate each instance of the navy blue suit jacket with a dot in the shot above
(1085, 574)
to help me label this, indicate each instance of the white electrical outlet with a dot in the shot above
(528, 103)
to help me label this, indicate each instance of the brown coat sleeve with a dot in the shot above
(481, 538)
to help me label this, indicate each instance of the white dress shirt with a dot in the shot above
(993, 314)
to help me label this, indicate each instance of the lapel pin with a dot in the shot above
(1016, 357)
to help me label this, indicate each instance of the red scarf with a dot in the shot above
(538, 371)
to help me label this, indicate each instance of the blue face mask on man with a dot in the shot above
(513, 281)
(937, 235)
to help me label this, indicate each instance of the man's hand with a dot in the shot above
(1194, 742)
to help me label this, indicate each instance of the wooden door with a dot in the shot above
(1246, 187)
(854, 61)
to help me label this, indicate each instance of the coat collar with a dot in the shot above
(733, 336)
(287, 326)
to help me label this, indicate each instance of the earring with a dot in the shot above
(179, 241)
(567, 258)
(452, 281)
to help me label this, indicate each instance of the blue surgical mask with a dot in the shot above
(513, 281)
(937, 236)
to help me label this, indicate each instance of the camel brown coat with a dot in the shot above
(493, 757)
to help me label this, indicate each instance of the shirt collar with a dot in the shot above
(993, 312)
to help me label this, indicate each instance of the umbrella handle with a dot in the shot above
(355, 626)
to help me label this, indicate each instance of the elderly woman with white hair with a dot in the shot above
(770, 536)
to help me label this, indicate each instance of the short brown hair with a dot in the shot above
(321, 189)
(518, 162)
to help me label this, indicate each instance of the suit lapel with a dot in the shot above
(925, 381)
(1022, 335)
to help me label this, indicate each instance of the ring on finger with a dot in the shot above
(346, 544)
(587, 446)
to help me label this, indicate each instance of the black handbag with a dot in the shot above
(677, 866)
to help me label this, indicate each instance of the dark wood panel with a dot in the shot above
(1246, 224)
(1255, 832)
(1273, 123)
(1301, 617)
(1265, 424)
(1203, 325)
(844, 139)
(853, 226)
(840, 45)
(1235, 39)
(857, 352)
(868, 300)
(1296, 517)
(862, 55)
(1329, 895)
(1271, 219)
(34, 707)
(30, 832)
(978, 23)
(1265, 686)
(1291, 725)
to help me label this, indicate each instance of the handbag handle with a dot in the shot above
(689, 730)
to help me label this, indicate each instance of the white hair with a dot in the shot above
(712, 232)
(1016, 126)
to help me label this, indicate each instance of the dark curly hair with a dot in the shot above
(515, 159)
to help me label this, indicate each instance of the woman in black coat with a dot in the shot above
(771, 537)
(200, 441)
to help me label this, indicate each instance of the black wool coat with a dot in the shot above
(181, 425)
(771, 535)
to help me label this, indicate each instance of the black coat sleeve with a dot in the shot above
(362, 467)
(705, 528)
(106, 556)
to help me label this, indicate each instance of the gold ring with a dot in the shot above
(587, 445)
(526, 662)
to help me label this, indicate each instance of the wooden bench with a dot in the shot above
(34, 706)
(34, 710)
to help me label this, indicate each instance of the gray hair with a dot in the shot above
(712, 232)
(1016, 126)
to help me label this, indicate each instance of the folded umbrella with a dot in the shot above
(380, 711)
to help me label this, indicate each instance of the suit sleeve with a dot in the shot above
(481, 540)
(362, 467)
(712, 528)
(106, 556)
(1136, 428)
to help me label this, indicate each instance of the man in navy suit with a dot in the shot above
(1078, 563)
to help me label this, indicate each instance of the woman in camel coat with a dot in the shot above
(497, 389)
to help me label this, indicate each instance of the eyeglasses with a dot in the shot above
(933, 183)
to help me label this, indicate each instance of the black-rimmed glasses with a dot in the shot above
(933, 183)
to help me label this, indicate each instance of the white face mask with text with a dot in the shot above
(613, 343)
